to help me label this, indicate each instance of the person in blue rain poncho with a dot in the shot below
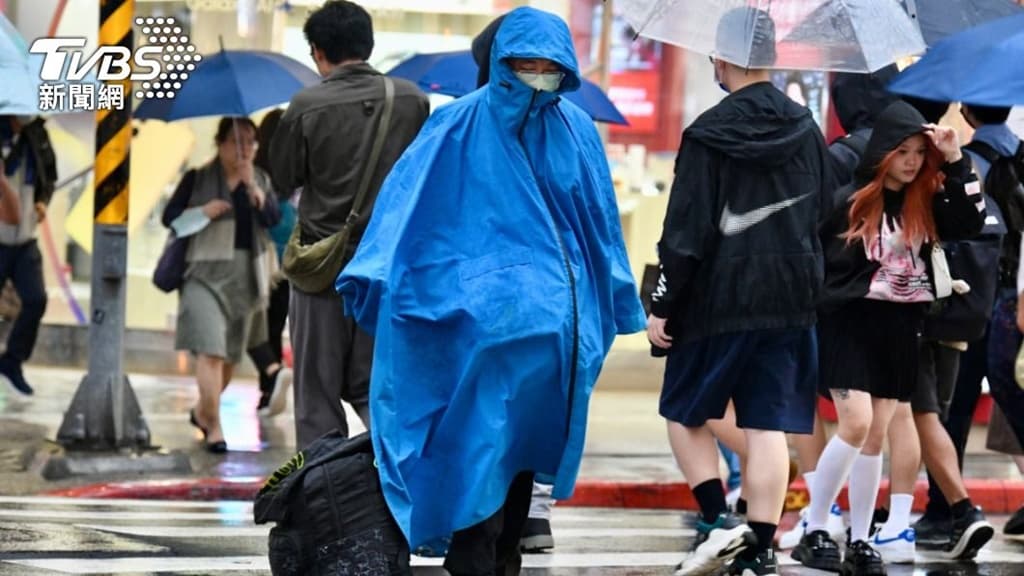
(494, 277)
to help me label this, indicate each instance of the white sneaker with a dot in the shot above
(898, 550)
(835, 527)
(717, 544)
(279, 397)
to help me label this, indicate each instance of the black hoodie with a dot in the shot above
(739, 248)
(858, 99)
(848, 271)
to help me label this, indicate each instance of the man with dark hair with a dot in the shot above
(994, 354)
(734, 308)
(323, 145)
(31, 171)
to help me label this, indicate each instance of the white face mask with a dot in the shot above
(545, 82)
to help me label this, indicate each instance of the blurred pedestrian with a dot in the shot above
(877, 283)
(10, 204)
(268, 357)
(30, 171)
(323, 145)
(494, 276)
(741, 265)
(222, 303)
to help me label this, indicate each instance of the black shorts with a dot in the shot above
(871, 346)
(768, 374)
(936, 379)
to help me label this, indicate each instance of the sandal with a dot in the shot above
(195, 422)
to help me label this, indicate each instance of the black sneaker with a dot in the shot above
(763, 565)
(819, 551)
(970, 533)
(536, 536)
(862, 560)
(932, 532)
(11, 370)
(716, 544)
(1015, 525)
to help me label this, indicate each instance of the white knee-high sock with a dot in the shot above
(865, 478)
(899, 515)
(830, 475)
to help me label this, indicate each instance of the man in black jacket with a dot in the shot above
(31, 170)
(735, 306)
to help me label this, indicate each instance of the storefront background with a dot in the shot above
(659, 88)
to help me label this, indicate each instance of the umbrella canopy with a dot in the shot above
(983, 65)
(19, 71)
(232, 83)
(837, 35)
(454, 74)
(941, 18)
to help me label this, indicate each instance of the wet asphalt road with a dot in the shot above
(44, 536)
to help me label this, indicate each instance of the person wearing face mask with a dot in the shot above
(734, 310)
(223, 301)
(494, 278)
(536, 536)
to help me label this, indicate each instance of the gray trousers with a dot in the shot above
(332, 363)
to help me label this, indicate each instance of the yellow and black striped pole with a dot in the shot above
(104, 414)
(114, 126)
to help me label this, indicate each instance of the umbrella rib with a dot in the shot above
(235, 85)
(655, 8)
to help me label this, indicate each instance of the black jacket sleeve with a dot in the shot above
(690, 226)
(179, 200)
(960, 208)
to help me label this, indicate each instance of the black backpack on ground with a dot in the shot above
(331, 516)
(1004, 183)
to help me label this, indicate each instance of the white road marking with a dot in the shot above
(211, 565)
(117, 502)
(250, 531)
(148, 516)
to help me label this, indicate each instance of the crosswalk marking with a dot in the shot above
(100, 536)
(249, 531)
(107, 502)
(149, 516)
(241, 563)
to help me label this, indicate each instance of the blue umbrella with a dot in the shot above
(941, 18)
(983, 65)
(232, 83)
(454, 74)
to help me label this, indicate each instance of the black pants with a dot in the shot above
(491, 548)
(270, 352)
(23, 265)
(992, 356)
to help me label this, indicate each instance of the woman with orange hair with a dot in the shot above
(912, 189)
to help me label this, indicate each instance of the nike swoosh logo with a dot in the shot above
(732, 224)
(903, 536)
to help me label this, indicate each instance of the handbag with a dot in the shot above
(313, 268)
(940, 273)
(169, 274)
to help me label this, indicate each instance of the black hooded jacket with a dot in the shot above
(858, 99)
(848, 271)
(739, 248)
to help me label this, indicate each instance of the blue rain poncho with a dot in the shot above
(494, 277)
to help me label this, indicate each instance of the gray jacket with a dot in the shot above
(325, 137)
